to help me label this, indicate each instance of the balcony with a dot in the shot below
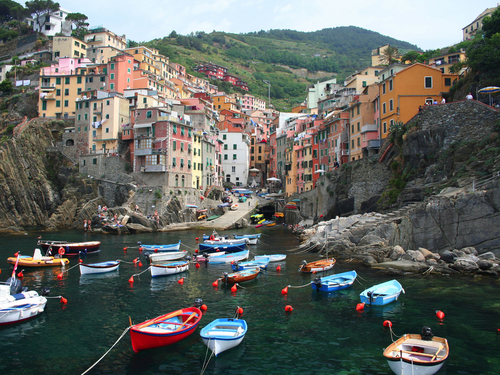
(374, 143)
(45, 96)
(369, 128)
(143, 151)
(153, 168)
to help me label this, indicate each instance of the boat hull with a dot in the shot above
(156, 248)
(95, 268)
(262, 264)
(410, 355)
(221, 247)
(70, 248)
(318, 266)
(381, 294)
(240, 241)
(168, 268)
(335, 282)
(223, 334)
(166, 256)
(165, 330)
(272, 258)
(21, 307)
(229, 258)
(42, 262)
(241, 276)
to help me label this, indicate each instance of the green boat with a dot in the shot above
(213, 217)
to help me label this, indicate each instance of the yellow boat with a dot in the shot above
(202, 217)
(279, 214)
(37, 260)
(271, 224)
(260, 222)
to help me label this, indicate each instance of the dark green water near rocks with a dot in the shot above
(323, 335)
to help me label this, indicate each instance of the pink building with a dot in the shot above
(120, 73)
(65, 66)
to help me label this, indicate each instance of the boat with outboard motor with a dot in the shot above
(334, 282)
(65, 248)
(382, 294)
(37, 260)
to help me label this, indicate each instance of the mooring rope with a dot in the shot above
(189, 247)
(124, 261)
(140, 273)
(429, 270)
(205, 361)
(104, 355)
(302, 286)
(76, 265)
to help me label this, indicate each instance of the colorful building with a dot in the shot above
(68, 46)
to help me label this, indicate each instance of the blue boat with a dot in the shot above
(172, 247)
(223, 334)
(209, 248)
(334, 282)
(240, 266)
(257, 235)
(229, 258)
(382, 294)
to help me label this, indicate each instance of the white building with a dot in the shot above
(3, 71)
(235, 157)
(52, 24)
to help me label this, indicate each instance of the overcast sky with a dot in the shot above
(428, 24)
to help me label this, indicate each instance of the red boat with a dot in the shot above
(69, 248)
(165, 330)
(240, 276)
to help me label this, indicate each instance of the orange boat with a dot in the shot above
(240, 276)
(317, 266)
(37, 260)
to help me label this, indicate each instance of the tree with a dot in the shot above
(41, 7)
(6, 86)
(411, 56)
(10, 10)
(491, 25)
(173, 34)
(80, 22)
(389, 55)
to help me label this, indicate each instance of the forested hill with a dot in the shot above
(265, 55)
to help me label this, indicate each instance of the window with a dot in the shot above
(383, 88)
(447, 81)
(359, 142)
(174, 145)
(234, 156)
(352, 131)
(79, 118)
(85, 116)
(358, 127)
(58, 92)
(233, 169)
(66, 103)
(182, 163)
(428, 82)
(149, 114)
(357, 110)
(79, 91)
(78, 79)
(112, 76)
(364, 83)
(224, 136)
(182, 146)
(385, 127)
(225, 147)
(111, 86)
(391, 105)
(173, 162)
(107, 102)
(66, 91)
(225, 156)
(112, 66)
(58, 103)
(175, 128)
(44, 105)
(235, 147)
(352, 144)
(58, 80)
(390, 85)
(383, 108)
(66, 80)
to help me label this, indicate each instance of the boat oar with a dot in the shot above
(187, 320)
(437, 352)
(160, 318)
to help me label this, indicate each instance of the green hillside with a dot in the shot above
(269, 55)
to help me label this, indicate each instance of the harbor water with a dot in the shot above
(323, 335)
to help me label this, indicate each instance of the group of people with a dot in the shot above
(87, 225)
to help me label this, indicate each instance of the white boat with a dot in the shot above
(234, 206)
(223, 334)
(156, 248)
(16, 305)
(231, 257)
(169, 268)
(226, 241)
(207, 256)
(102, 267)
(240, 266)
(166, 255)
(252, 238)
(415, 354)
(272, 258)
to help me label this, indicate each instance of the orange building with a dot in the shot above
(402, 92)
(120, 70)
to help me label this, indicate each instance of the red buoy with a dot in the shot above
(125, 248)
(321, 215)
(181, 281)
(135, 260)
(131, 280)
(203, 307)
(360, 306)
(16, 253)
(239, 310)
(20, 274)
(196, 251)
(60, 276)
(278, 268)
(284, 290)
(140, 248)
(64, 301)
(234, 288)
(215, 283)
(387, 323)
(197, 238)
(288, 308)
(139, 264)
(80, 261)
(197, 265)
(156, 250)
(440, 314)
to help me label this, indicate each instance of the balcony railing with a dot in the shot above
(153, 168)
(143, 151)
(369, 128)
(374, 143)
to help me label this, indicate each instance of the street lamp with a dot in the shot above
(268, 92)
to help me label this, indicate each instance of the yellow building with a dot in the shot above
(445, 62)
(103, 55)
(363, 78)
(403, 92)
(67, 46)
(222, 101)
(471, 29)
(378, 55)
(101, 37)
(195, 150)
(102, 117)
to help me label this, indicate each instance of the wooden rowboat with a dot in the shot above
(69, 248)
(164, 256)
(334, 282)
(240, 276)
(422, 354)
(169, 268)
(102, 267)
(223, 334)
(317, 266)
(382, 294)
(37, 260)
(165, 330)
(155, 248)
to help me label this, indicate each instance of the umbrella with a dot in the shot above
(320, 171)
(273, 179)
(489, 90)
(254, 170)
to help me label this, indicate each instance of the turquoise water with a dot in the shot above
(323, 335)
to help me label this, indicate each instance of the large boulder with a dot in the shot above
(416, 255)
(465, 265)
(396, 253)
(448, 256)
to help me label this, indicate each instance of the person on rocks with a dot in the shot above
(85, 225)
